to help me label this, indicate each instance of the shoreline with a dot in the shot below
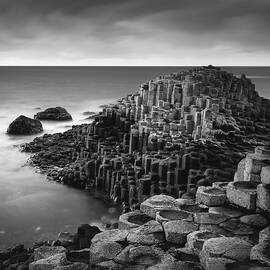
(178, 133)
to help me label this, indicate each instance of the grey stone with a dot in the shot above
(255, 220)
(158, 203)
(150, 233)
(184, 265)
(209, 218)
(167, 215)
(104, 251)
(242, 194)
(211, 196)
(115, 235)
(237, 227)
(265, 175)
(255, 162)
(46, 251)
(49, 263)
(227, 211)
(217, 252)
(261, 252)
(195, 240)
(263, 198)
(176, 231)
(216, 230)
(24, 126)
(73, 266)
(264, 234)
(132, 219)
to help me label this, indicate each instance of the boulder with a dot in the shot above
(104, 251)
(219, 251)
(176, 231)
(57, 114)
(24, 126)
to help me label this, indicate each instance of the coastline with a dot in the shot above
(131, 156)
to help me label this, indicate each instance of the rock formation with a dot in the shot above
(57, 114)
(189, 154)
(24, 126)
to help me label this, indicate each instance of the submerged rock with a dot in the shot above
(57, 113)
(24, 126)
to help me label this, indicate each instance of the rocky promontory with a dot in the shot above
(188, 157)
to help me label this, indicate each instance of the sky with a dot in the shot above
(134, 32)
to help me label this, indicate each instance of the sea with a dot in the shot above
(31, 207)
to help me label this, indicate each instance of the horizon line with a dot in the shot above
(157, 66)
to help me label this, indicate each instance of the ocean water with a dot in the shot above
(31, 208)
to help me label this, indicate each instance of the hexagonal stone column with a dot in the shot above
(211, 196)
(176, 231)
(217, 252)
(265, 175)
(263, 197)
(243, 194)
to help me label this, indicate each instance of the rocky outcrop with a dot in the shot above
(24, 126)
(190, 153)
(56, 114)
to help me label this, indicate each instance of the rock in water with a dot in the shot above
(24, 126)
(57, 113)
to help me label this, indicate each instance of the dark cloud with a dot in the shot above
(130, 31)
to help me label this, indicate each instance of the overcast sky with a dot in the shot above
(134, 32)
